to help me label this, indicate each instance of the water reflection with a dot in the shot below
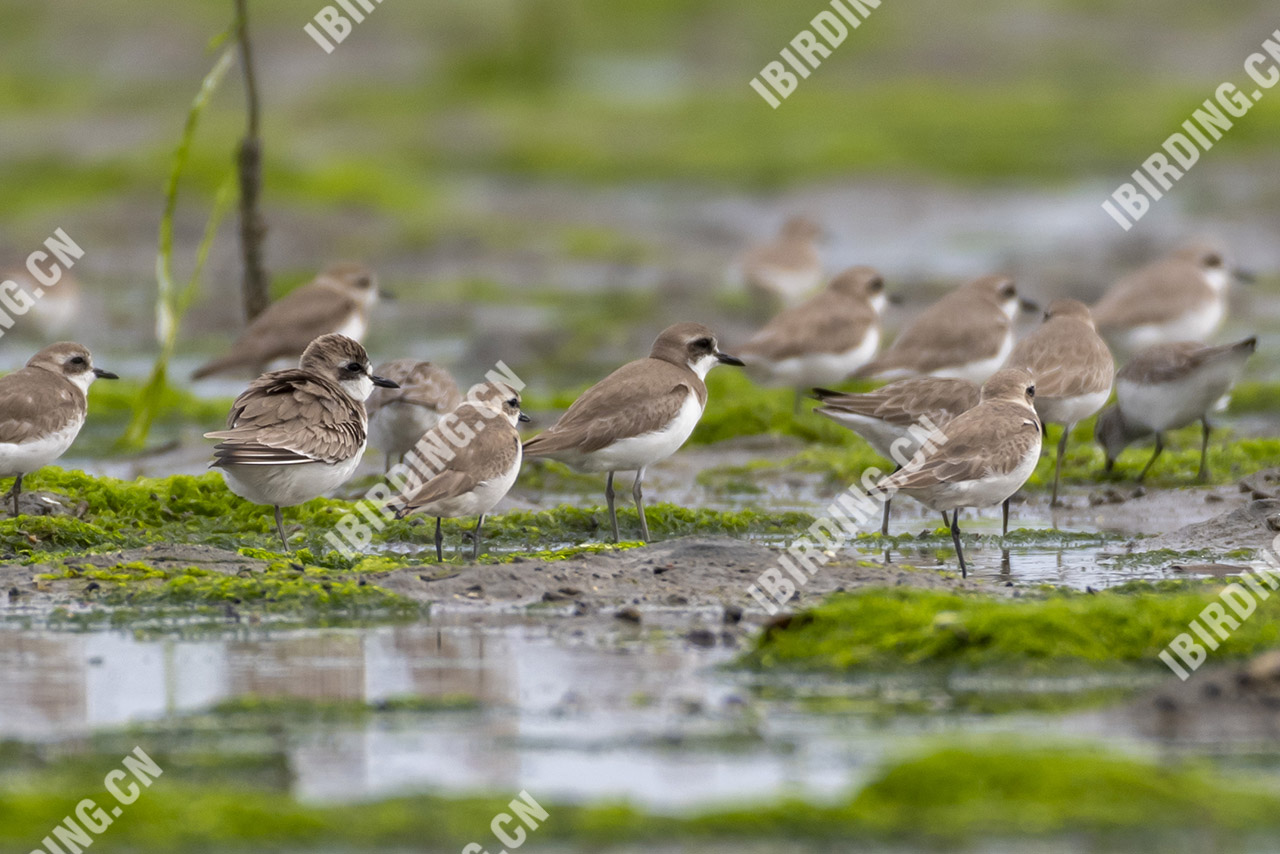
(573, 719)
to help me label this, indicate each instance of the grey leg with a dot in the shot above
(475, 548)
(946, 522)
(1204, 450)
(884, 522)
(613, 514)
(280, 530)
(439, 542)
(15, 492)
(638, 494)
(1057, 464)
(1004, 530)
(955, 538)
(1159, 449)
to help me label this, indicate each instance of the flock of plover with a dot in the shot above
(299, 433)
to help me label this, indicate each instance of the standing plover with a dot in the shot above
(56, 309)
(967, 334)
(788, 268)
(990, 452)
(1182, 297)
(824, 339)
(885, 417)
(336, 301)
(42, 408)
(639, 414)
(1169, 386)
(398, 417)
(482, 471)
(1073, 370)
(297, 434)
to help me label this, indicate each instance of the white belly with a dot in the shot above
(814, 369)
(1198, 325)
(986, 491)
(396, 428)
(286, 486)
(791, 285)
(1167, 406)
(26, 457)
(639, 451)
(479, 501)
(1070, 410)
(981, 370)
(355, 326)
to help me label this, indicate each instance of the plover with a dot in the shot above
(885, 417)
(641, 413)
(824, 339)
(336, 301)
(398, 417)
(42, 408)
(482, 471)
(297, 434)
(1073, 370)
(1169, 386)
(56, 308)
(967, 334)
(788, 268)
(1182, 297)
(990, 452)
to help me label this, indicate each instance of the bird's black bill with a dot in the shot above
(384, 382)
(1028, 305)
(525, 418)
(105, 375)
(1246, 276)
(725, 358)
(387, 295)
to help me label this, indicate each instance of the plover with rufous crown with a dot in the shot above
(639, 414)
(990, 452)
(1073, 368)
(896, 420)
(967, 334)
(399, 416)
(42, 408)
(483, 469)
(1182, 297)
(824, 339)
(788, 268)
(298, 434)
(1168, 386)
(337, 301)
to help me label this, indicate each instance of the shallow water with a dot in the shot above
(654, 722)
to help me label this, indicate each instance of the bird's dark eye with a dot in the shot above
(1008, 292)
(355, 367)
(1031, 391)
(703, 344)
(1213, 260)
(877, 285)
(514, 403)
(77, 360)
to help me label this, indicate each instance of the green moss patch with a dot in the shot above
(879, 630)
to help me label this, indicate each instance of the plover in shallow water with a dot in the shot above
(1166, 387)
(336, 301)
(1072, 367)
(1182, 297)
(639, 414)
(967, 334)
(788, 268)
(399, 416)
(482, 470)
(297, 434)
(990, 452)
(824, 339)
(42, 408)
(897, 419)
